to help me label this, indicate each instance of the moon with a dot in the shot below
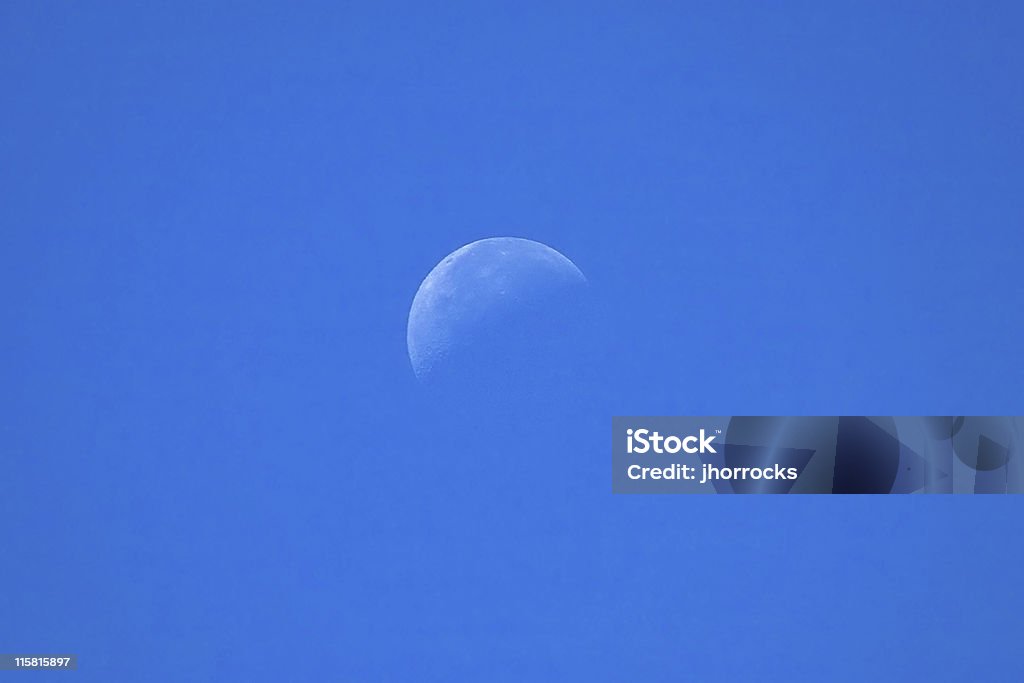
(493, 313)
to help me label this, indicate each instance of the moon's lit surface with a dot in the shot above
(496, 313)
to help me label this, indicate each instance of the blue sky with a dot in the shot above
(216, 463)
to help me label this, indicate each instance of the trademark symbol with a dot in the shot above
(718, 431)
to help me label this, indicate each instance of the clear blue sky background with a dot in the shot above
(214, 460)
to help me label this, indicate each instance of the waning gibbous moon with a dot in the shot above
(492, 310)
